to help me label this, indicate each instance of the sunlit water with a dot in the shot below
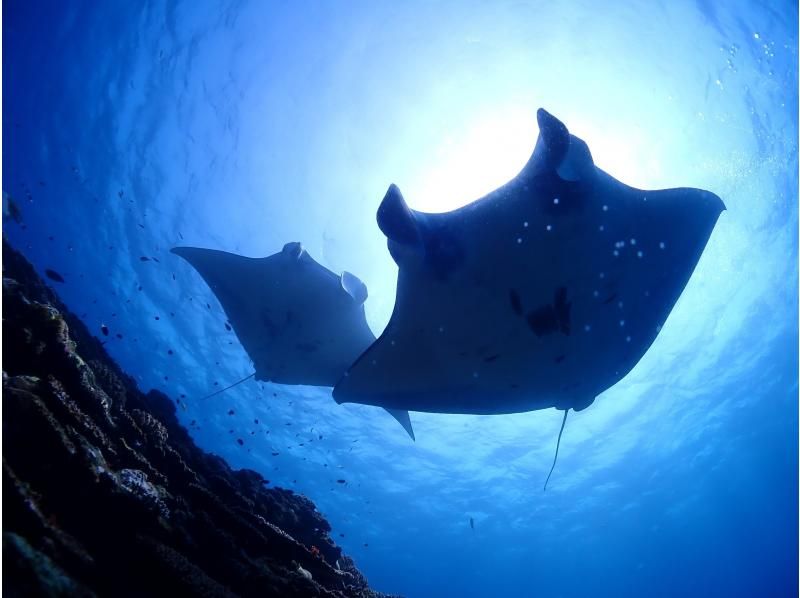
(129, 128)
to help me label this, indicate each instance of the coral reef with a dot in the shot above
(105, 493)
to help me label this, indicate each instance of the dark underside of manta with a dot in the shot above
(544, 293)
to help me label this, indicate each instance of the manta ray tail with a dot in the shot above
(558, 443)
(213, 394)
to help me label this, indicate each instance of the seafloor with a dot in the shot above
(105, 493)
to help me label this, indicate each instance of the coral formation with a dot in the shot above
(105, 493)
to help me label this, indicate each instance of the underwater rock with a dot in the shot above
(105, 493)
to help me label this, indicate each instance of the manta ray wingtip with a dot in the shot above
(717, 202)
(404, 420)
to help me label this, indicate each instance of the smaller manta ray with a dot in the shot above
(544, 293)
(298, 322)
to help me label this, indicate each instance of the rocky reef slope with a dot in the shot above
(105, 493)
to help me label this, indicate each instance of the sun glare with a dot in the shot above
(472, 162)
(475, 161)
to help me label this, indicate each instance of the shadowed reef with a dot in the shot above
(105, 493)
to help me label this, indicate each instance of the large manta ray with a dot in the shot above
(544, 293)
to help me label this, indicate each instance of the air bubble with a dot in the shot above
(619, 304)
(587, 328)
(639, 253)
(555, 200)
(662, 245)
(627, 339)
(549, 227)
(605, 208)
(622, 323)
(633, 241)
(525, 224)
(519, 240)
(601, 228)
(616, 253)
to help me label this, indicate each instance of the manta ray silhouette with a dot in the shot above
(544, 293)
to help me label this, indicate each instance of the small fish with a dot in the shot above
(11, 209)
(227, 327)
(53, 275)
(240, 441)
(231, 412)
(144, 258)
(341, 481)
(104, 329)
(472, 523)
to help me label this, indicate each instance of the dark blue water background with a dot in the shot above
(130, 127)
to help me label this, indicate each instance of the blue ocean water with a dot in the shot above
(132, 127)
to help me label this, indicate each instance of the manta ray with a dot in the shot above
(542, 294)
